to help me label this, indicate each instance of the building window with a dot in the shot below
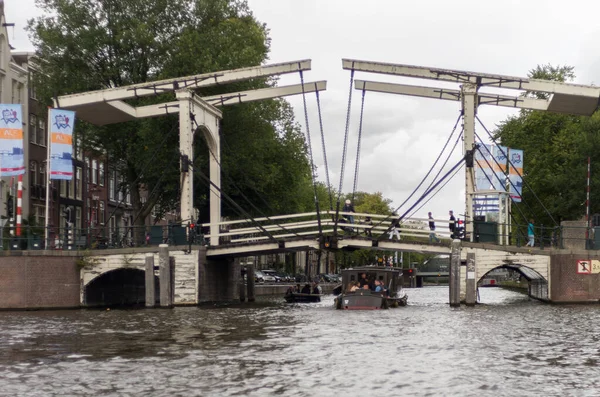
(33, 173)
(88, 205)
(121, 187)
(79, 184)
(15, 92)
(86, 164)
(77, 217)
(40, 215)
(72, 188)
(43, 174)
(41, 133)
(32, 128)
(111, 185)
(101, 173)
(63, 188)
(32, 91)
(101, 212)
(95, 171)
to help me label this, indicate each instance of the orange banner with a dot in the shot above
(11, 133)
(64, 139)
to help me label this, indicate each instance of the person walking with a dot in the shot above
(530, 234)
(452, 224)
(432, 236)
(348, 207)
(394, 232)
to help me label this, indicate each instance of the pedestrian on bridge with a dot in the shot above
(394, 232)
(348, 207)
(530, 234)
(432, 235)
(452, 224)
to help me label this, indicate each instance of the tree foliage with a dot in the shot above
(85, 45)
(556, 148)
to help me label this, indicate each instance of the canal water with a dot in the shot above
(506, 346)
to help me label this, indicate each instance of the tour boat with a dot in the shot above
(367, 299)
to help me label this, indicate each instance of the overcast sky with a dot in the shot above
(402, 136)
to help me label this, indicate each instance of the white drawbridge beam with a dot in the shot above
(162, 109)
(562, 98)
(566, 97)
(452, 95)
(195, 113)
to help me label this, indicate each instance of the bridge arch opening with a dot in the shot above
(124, 287)
(536, 287)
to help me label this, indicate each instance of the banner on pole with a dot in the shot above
(61, 143)
(491, 173)
(11, 140)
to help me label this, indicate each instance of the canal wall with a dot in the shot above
(572, 278)
(39, 282)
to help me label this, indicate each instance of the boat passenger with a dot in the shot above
(378, 287)
(297, 289)
(317, 289)
(363, 280)
(290, 290)
(306, 289)
(353, 286)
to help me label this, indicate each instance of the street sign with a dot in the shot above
(595, 266)
(584, 267)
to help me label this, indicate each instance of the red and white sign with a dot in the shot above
(584, 267)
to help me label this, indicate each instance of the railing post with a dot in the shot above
(542, 236)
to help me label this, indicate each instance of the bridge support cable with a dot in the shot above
(360, 125)
(212, 185)
(423, 196)
(435, 193)
(312, 162)
(344, 149)
(428, 172)
(237, 187)
(490, 167)
(518, 173)
(460, 134)
(324, 151)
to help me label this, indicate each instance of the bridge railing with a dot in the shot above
(306, 225)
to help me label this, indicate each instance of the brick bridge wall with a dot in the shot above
(38, 282)
(569, 286)
(186, 271)
(489, 259)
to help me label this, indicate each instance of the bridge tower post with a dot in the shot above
(149, 280)
(471, 285)
(455, 274)
(469, 107)
(194, 114)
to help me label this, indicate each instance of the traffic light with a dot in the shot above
(185, 163)
(68, 214)
(469, 158)
(9, 207)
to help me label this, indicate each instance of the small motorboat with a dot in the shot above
(393, 295)
(296, 297)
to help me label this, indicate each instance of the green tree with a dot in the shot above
(85, 45)
(556, 147)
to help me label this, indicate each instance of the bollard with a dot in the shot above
(455, 274)
(250, 283)
(150, 287)
(164, 275)
(471, 292)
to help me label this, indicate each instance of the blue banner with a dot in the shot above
(11, 140)
(60, 124)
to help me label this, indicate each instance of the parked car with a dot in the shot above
(259, 277)
(271, 276)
